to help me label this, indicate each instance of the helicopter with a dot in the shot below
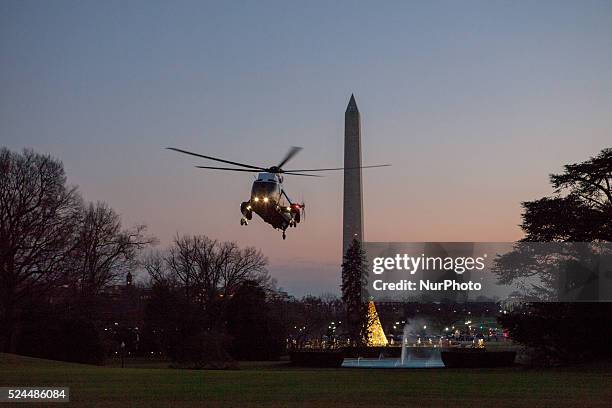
(269, 200)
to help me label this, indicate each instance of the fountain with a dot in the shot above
(404, 346)
(416, 354)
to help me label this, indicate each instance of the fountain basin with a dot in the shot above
(412, 357)
(390, 363)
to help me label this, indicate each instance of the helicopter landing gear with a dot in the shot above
(246, 210)
(284, 235)
(243, 221)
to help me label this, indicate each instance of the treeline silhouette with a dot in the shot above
(67, 290)
(57, 253)
(580, 211)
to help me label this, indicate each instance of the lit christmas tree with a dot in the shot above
(376, 335)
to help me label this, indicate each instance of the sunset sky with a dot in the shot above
(474, 103)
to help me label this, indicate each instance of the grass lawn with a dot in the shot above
(281, 386)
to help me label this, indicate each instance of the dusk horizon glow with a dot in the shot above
(473, 104)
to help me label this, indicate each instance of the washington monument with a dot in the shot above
(352, 215)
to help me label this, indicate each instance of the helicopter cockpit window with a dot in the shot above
(265, 189)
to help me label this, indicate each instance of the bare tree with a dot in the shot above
(38, 218)
(181, 262)
(206, 270)
(104, 251)
(154, 263)
(243, 264)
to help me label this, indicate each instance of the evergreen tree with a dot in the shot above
(354, 294)
(579, 211)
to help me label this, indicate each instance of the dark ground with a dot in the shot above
(278, 385)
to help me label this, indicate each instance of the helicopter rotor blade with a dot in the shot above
(301, 174)
(216, 159)
(292, 152)
(340, 168)
(227, 168)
